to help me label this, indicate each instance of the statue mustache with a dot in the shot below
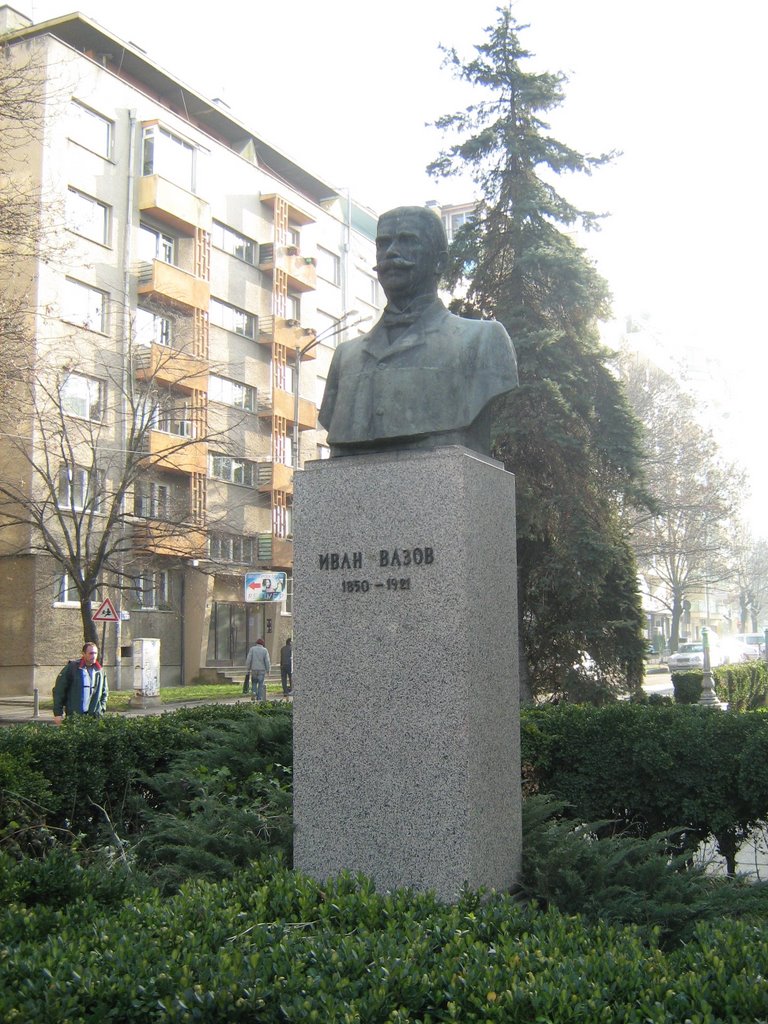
(397, 262)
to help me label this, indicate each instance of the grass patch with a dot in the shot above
(118, 699)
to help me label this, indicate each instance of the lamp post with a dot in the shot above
(708, 696)
(299, 353)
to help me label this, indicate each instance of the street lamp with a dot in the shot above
(299, 353)
(708, 696)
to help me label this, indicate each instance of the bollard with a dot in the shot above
(35, 703)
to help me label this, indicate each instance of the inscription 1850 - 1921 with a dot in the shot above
(388, 558)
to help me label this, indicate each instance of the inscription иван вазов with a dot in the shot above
(422, 378)
(371, 578)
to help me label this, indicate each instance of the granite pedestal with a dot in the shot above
(406, 722)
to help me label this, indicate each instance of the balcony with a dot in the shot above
(166, 283)
(179, 540)
(295, 214)
(279, 331)
(170, 366)
(173, 205)
(301, 271)
(281, 403)
(277, 552)
(174, 453)
(274, 476)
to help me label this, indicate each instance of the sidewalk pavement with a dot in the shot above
(15, 710)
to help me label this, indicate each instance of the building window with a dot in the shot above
(284, 377)
(234, 243)
(232, 319)
(454, 221)
(231, 392)
(152, 500)
(66, 593)
(151, 327)
(293, 236)
(88, 217)
(170, 156)
(293, 307)
(85, 306)
(156, 245)
(286, 606)
(91, 130)
(78, 489)
(225, 547)
(152, 590)
(173, 418)
(329, 329)
(83, 396)
(232, 470)
(328, 265)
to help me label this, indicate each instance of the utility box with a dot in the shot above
(145, 669)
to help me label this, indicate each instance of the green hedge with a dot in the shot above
(285, 949)
(653, 769)
(743, 687)
(76, 776)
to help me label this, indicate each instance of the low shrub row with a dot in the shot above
(211, 786)
(653, 769)
(743, 687)
(283, 949)
(92, 776)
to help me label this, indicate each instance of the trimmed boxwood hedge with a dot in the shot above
(653, 769)
(743, 687)
(283, 949)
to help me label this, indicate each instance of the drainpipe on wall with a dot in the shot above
(127, 367)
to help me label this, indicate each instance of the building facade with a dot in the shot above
(183, 302)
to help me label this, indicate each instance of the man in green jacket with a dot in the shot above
(81, 687)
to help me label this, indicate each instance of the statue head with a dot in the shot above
(411, 250)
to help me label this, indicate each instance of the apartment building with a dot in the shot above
(184, 303)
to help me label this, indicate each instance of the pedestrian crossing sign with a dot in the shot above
(105, 612)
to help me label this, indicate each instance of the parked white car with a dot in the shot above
(691, 656)
(754, 641)
(735, 650)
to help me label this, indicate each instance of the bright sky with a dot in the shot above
(676, 85)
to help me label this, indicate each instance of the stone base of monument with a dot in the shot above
(406, 719)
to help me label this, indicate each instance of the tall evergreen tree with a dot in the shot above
(567, 432)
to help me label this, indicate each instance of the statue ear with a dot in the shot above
(441, 263)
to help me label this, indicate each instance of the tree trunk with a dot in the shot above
(677, 612)
(89, 626)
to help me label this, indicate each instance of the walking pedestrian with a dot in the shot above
(257, 664)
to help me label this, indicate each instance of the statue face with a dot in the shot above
(406, 262)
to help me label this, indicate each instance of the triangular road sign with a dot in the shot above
(105, 612)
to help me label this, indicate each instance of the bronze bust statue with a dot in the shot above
(422, 377)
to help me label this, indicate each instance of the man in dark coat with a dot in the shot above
(286, 666)
(422, 378)
(81, 687)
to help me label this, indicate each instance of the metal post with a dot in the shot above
(708, 695)
(35, 703)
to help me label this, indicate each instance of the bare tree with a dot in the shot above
(685, 543)
(99, 473)
(750, 579)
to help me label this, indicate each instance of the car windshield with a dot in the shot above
(690, 649)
